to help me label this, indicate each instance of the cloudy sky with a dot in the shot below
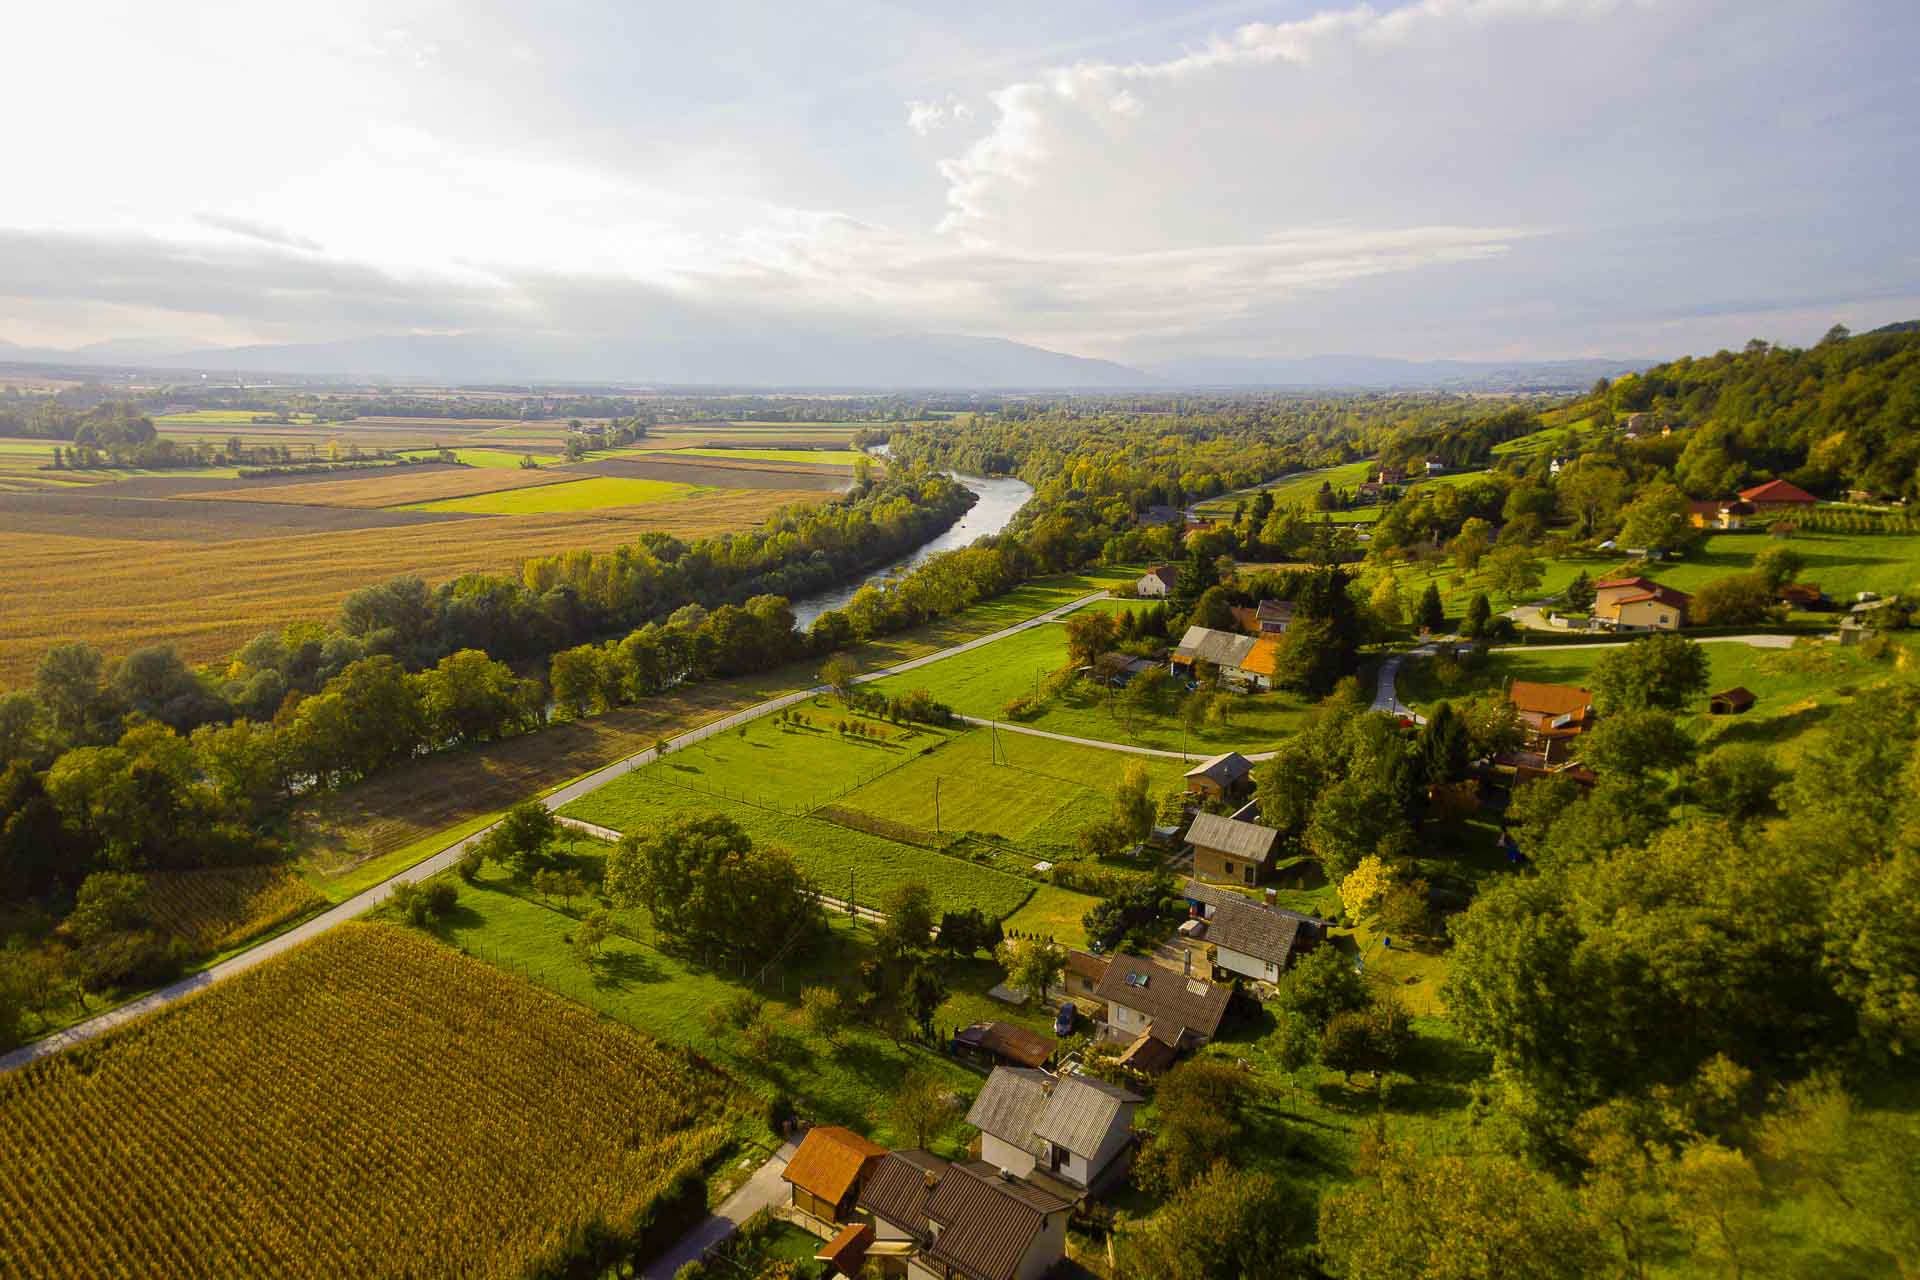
(1129, 179)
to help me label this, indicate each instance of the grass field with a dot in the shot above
(666, 996)
(982, 682)
(209, 599)
(844, 862)
(593, 493)
(222, 418)
(367, 1098)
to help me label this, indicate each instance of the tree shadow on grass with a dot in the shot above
(617, 970)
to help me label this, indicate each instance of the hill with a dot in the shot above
(1384, 373)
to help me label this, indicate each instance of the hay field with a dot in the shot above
(209, 598)
(592, 493)
(828, 457)
(371, 1103)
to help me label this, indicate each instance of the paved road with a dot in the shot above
(1758, 642)
(763, 1190)
(363, 902)
(1386, 693)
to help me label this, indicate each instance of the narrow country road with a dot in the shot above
(1757, 641)
(367, 900)
(761, 1191)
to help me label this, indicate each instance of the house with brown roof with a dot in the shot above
(1003, 1042)
(1231, 848)
(1068, 1129)
(1552, 715)
(1158, 581)
(1258, 666)
(827, 1171)
(1805, 596)
(1146, 1000)
(935, 1219)
(1227, 777)
(1778, 495)
(1083, 973)
(1256, 940)
(1640, 604)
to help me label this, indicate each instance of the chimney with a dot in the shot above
(1273, 897)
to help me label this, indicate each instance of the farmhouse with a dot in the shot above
(1252, 939)
(1640, 604)
(1778, 495)
(1003, 1042)
(1225, 777)
(1070, 1129)
(826, 1173)
(1158, 581)
(1231, 849)
(1223, 649)
(1435, 467)
(938, 1220)
(1390, 475)
(1553, 714)
(1721, 513)
(1083, 974)
(1146, 1001)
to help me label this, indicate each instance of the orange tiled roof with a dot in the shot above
(1548, 699)
(1264, 657)
(829, 1162)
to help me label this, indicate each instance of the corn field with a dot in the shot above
(369, 1104)
(215, 909)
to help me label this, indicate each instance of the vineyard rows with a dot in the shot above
(370, 1104)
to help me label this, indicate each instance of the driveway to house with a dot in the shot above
(367, 900)
(761, 1191)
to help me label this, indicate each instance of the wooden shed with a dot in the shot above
(1731, 702)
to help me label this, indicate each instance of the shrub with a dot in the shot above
(129, 960)
(469, 864)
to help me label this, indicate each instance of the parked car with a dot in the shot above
(1063, 1020)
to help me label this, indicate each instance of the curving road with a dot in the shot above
(365, 901)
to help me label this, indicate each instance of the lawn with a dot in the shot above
(1013, 789)
(664, 995)
(591, 494)
(835, 457)
(845, 862)
(982, 681)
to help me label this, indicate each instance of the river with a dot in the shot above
(1000, 498)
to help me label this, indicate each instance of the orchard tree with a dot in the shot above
(908, 924)
(1663, 671)
(1660, 519)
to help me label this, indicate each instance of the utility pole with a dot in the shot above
(936, 804)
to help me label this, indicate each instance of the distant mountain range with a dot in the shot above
(804, 358)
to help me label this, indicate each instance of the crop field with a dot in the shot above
(830, 457)
(369, 1098)
(593, 493)
(222, 907)
(841, 860)
(395, 487)
(209, 597)
(724, 473)
(982, 681)
(221, 418)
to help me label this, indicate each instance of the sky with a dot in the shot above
(1145, 182)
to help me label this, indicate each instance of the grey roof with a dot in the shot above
(1082, 1112)
(899, 1187)
(1224, 769)
(1222, 648)
(1011, 1105)
(987, 1223)
(1171, 1000)
(1251, 928)
(1280, 611)
(1225, 835)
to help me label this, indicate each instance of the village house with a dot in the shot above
(1203, 644)
(1553, 715)
(936, 1219)
(1257, 667)
(1067, 1129)
(1720, 513)
(1778, 495)
(1225, 777)
(1390, 476)
(1230, 848)
(1081, 980)
(1252, 939)
(1640, 604)
(1435, 467)
(827, 1171)
(1269, 618)
(1162, 1011)
(1559, 464)
(1158, 581)
(1805, 596)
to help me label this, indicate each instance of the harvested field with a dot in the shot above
(837, 457)
(694, 469)
(369, 1104)
(208, 598)
(398, 487)
(193, 519)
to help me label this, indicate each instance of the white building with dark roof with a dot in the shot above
(1069, 1128)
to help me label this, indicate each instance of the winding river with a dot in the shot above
(1000, 498)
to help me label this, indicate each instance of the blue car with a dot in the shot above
(1063, 1020)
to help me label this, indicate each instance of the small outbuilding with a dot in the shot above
(1731, 702)
(827, 1171)
(1002, 1043)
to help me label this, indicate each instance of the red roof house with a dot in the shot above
(1778, 495)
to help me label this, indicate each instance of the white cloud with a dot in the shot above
(926, 118)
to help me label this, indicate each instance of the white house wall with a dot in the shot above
(1004, 1155)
